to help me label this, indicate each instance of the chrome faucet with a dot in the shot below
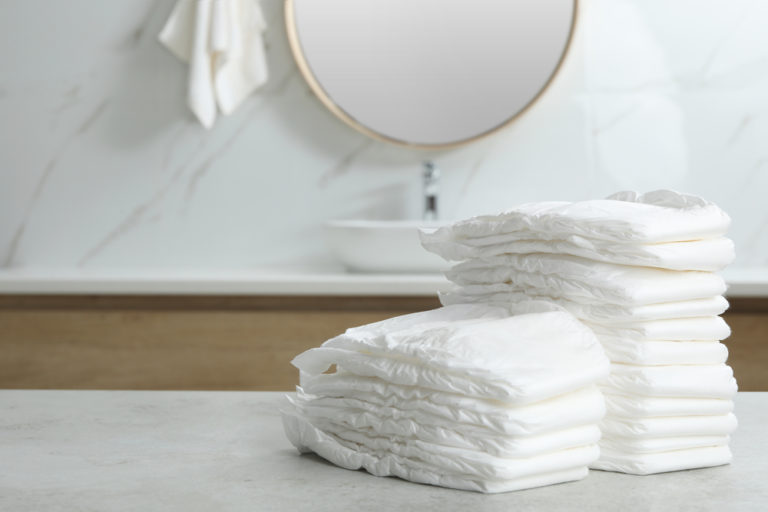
(431, 177)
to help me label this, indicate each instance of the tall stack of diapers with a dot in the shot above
(478, 397)
(638, 270)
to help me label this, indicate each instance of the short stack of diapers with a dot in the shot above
(478, 397)
(638, 270)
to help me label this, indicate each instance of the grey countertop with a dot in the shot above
(221, 451)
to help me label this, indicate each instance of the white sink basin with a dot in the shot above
(382, 246)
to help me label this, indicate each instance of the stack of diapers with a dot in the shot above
(639, 270)
(476, 397)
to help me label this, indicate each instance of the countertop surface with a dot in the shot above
(265, 281)
(297, 280)
(221, 451)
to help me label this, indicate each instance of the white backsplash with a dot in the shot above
(102, 165)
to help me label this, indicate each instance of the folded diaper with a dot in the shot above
(698, 381)
(624, 217)
(633, 444)
(660, 462)
(620, 403)
(605, 313)
(582, 280)
(574, 409)
(495, 444)
(614, 231)
(518, 359)
(465, 462)
(458, 409)
(706, 255)
(655, 352)
(434, 317)
(668, 426)
(525, 435)
(469, 396)
(659, 229)
(536, 471)
(704, 328)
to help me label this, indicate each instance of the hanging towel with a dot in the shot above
(222, 41)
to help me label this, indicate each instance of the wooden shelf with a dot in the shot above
(229, 342)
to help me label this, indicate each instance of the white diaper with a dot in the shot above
(706, 255)
(573, 409)
(702, 381)
(635, 445)
(622, 404)
(705, 328)
(498, 445)
(424, 319)
(661, 229)
(521, 473)
(465, 396)
(605, 313)
(581, 280)
(660, 462)
(519, 359)
(654, 352)
(612, 426)
(624, 217)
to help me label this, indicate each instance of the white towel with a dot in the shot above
(221, 40)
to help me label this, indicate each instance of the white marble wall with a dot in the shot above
(102, 165)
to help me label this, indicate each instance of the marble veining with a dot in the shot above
(48, 170)
(102, 165)
(345, 164)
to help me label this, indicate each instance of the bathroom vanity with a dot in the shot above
(239, 330)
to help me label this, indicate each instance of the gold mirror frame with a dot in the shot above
(317, 89)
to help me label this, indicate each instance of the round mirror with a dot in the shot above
(429, 73)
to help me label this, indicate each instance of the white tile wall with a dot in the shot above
(101, 165)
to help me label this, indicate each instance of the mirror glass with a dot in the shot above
(429, 73)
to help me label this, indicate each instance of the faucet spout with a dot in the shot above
(431, 178)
